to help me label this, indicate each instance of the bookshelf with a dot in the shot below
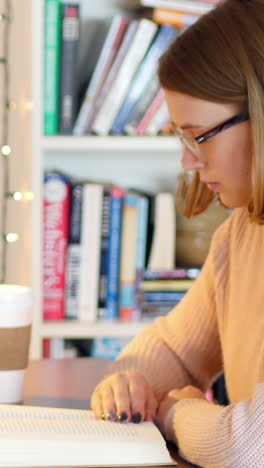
(151, 163)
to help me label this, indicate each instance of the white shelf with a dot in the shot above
(76, 329)
(111, 143)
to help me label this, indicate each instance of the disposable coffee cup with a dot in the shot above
(15, 330)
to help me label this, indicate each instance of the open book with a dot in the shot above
(43, 437)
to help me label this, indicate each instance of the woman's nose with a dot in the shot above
(190, 161)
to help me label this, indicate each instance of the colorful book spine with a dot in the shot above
(163, 296)
(51, 66)
(150, 112)
(142, 106)
(159, 120)
(145, 73)
(106, 58)
(104, 250)
(72, 296)
(178, 273)
(166, 285)
(69, 56)
(113, 266)
(56, 213)
(90, 235)
(143, 37)
(102, 94)
(128, 256)
(179, 19)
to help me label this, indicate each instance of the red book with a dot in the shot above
(150, 112)
(46, 348)
(56, 212)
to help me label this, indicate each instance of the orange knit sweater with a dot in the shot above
(218, 325)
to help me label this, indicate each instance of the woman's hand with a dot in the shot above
(162, 418)
(125, 396)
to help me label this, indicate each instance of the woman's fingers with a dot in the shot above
(124, 397)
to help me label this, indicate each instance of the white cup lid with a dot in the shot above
(13, 294)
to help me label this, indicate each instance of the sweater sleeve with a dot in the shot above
(182, 348)
(213, 436)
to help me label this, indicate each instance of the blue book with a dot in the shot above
(113, 266)
(108, 348)
(163, 296)
(105, 235)
(144, 75)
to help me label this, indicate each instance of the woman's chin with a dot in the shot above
(232, 202)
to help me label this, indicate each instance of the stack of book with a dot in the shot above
(98, 240)
(160, 291)
(122, 95)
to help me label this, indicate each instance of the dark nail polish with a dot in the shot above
(102, 416)
(123, 416)
(137, 418)
(111, 415)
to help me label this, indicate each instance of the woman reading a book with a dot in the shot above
(213, 77)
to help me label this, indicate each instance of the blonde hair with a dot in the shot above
(220, 58)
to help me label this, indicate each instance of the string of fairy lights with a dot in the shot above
(5, 147)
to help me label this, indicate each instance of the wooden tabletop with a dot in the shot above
(67, 383)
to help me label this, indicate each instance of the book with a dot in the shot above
(159, 119)
(142, 106)
(163, 296)
(166, 285)
(178, 273)
(74, 254)
(192, 6)
(37, 436)
(69, 57)
(145, 73)
(110, 48)
(113, 264)
(179, 19)
(151, 111)
(112, 73)
(56, 212)
(162, 255)
(128, 256)
(108, 348)
(51, 66)
(104, 249)
(90, 248)
(142, 39)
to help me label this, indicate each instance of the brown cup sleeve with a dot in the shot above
(14, 347)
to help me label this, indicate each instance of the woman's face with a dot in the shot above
(225, 166)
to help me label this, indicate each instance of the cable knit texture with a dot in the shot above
(218, 325)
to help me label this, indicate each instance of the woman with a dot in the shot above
(213, 77)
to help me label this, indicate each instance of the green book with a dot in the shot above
(52, 45)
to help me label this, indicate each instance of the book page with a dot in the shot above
(60, 437)
(63, 423)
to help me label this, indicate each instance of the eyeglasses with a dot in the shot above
(192, 143)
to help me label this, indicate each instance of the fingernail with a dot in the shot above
(102, 416)
(123, 416)
(111, 415)
(137, 418)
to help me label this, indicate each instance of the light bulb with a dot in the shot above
(11, 237)
(17, 196)
(6, 150)
(29, 196)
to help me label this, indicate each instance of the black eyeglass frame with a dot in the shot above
(242, 117)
